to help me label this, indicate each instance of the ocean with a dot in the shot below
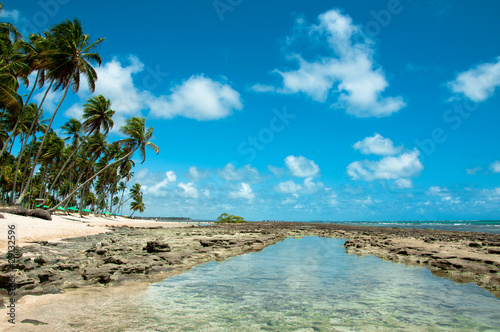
(486, 226)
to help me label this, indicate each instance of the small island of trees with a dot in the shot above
(229, 218)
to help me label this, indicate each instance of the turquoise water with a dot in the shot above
(311, 284)
(486, 226)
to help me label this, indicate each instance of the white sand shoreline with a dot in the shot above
(30, 229)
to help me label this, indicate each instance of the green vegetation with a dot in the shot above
(76, 165)
(228, 218)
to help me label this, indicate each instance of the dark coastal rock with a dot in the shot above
(135, 269)
(101, 251)
(114, 260)
(33, 322)
(23, 281)
(155, 246)
(5, 280)
(100, 275)
(67, 267)
(46, 275)
(40, 261)
(39, 213)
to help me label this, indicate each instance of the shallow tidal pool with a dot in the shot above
(311, 284)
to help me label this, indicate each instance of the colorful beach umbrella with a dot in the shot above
(60, 208)
(105, 212)
(86, 210)
(72, 208)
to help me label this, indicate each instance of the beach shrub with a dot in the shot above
(228, 218)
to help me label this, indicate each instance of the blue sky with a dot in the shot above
(318, 110)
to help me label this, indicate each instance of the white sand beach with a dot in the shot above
(30, 229)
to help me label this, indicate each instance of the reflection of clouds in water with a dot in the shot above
(295, 284)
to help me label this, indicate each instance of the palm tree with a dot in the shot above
(137, 205)
(138, 139)
(69, 56)
(31, 115)
(97, 115)
(72, 128)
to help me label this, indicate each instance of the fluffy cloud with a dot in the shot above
(491, 194)
(198, 98)
(244, 191)
(478, 83)
(188, 190)
(196, 175)
(301, 167)
(311, 187)
(348, 72)
(288, 187)
(495, 167)
(157, 188)
(11, 15)
(404, 183)
(116, 83)
(231, 173)
(389, 168)
(437, 191)
(377, 145)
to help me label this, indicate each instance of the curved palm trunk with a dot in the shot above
(60, 172)
(24, 107)
(21, 196)
(13, 193)
(93, 177)
(3, 167)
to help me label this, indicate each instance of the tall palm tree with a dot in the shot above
(73, 128)
(31, 115)
(69, 57)
(97, 115)
(137, 205)
(138, 139)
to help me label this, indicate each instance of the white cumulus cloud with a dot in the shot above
(301, 166)
(196, 175)
(188, 190)
(288, 187)
(378, 145)
(478, 83)
(347, 73)
(437, 191)
(244, 191)
(389, 168)
(403, 183)
(232, 173)
(158, 188)
(199, 98)
(495, 167)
